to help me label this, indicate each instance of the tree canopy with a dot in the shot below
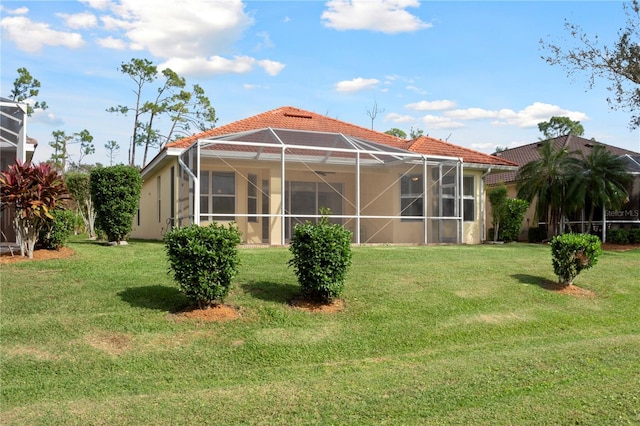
(397, 133)
(25, 87)
(187, 110)
(560, 126)
(618, 63)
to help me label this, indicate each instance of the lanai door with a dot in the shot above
(307, 198)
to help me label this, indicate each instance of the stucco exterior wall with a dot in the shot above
(379, 196)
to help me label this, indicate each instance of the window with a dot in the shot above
(468, 198)
(411, 196)
(218, 194)
(252, 198)
(449, 193)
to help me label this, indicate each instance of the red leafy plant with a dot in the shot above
(34, 191)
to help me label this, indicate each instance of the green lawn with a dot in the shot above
(430, 335)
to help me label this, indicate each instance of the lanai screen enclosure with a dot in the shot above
(268, 180)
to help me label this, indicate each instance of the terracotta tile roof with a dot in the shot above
(287, 117)
(296, 119)
(431, 146)
(528, 153)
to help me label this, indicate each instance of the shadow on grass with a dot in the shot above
(532, 280)
(157, 297)
(271, 291)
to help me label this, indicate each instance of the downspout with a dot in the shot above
(483, 217)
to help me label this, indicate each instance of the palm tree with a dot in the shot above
(599, 177)
(545, 180)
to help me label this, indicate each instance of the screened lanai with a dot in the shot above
(269, 180)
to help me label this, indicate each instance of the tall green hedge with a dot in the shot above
(115, 192)
(512, 220)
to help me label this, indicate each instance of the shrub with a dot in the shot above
(634, 236)
(512, 219)
(79, 187)
(203, 260)
(321, 258)
(618, 236)
(572, 253)
(498, 197)
(57, 232)
(34, 191)
(115, 192)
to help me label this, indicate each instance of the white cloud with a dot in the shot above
(272, 68)
(249, 86)
(387, 16)
(113, 24)
(416, 90)
(431, 105)
(112, 43)
(397, 118)
(440, 122)
(357, 84)
(97, 4)
(18, 11)
(45, 117)
(482, 146)
(266, 40)
(32, 36)
(530, 116)
(79, 20)
(184, 29)
(219, 65)
(191, 36)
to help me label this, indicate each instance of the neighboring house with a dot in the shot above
(14, 145)
(628, 216)
(279, 168)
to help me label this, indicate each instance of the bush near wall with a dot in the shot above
(618, 236)
(115, 192)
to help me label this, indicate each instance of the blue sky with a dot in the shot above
(467, 72)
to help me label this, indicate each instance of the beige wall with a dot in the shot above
(151, 223)
(380, 196)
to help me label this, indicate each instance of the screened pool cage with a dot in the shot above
(269, 180)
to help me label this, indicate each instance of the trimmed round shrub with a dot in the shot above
(618, 236)
(59, 229)
(572, 253)
(321, 258)
(115, 192)
(203, 260)
(634, 236)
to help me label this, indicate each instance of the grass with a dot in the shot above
(430, 335)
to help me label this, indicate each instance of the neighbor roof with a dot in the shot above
(428, 145)
(527, 153)
(287, 117)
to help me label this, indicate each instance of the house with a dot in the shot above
(628, 216)
(14, 145)
(273, 170)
